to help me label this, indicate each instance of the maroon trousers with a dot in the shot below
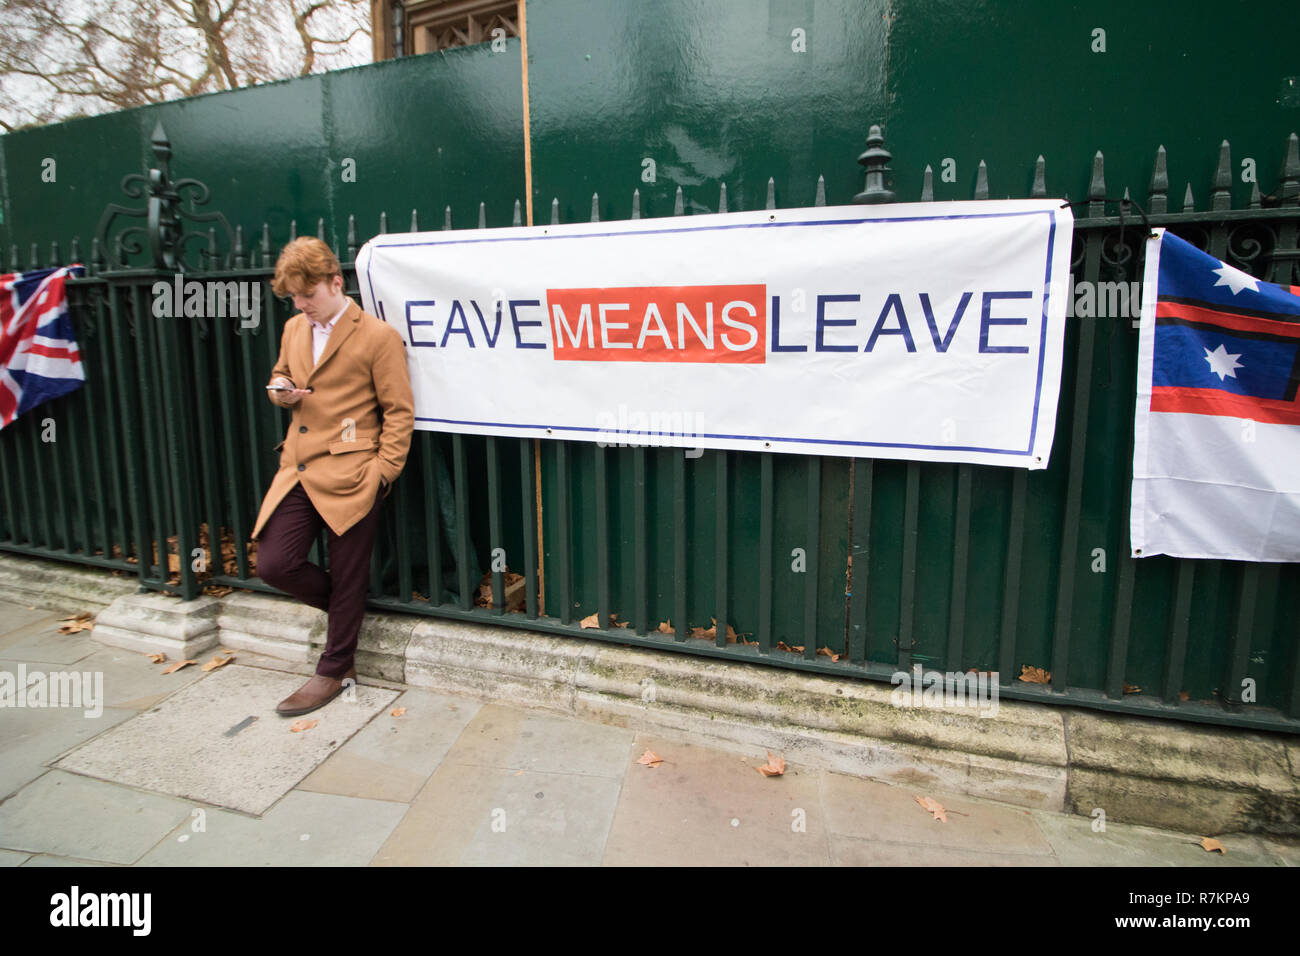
(282, 562)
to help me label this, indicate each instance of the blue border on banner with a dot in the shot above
(1042, 340)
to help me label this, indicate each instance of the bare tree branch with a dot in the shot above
(60, 58)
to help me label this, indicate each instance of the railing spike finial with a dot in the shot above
(482, 215)
(875, 160)
(819, 199)
(1039, 189)
(518, 218)
(1158, 194)
(1221, 196)
(679, 205)
(771, 193)
(75, 253)
(446, 218)
(161, 146)
(415, 221)
(555, 210)
(383, 226)
(636, 204)
(164, 217)
(1189, 204)
(293, 229)
(56, 258)
(722, 198)
(240, 261)
(352, 235)
(96, 256)
(213, 258)
(266, 244)
(1097, 186)
(35, 258)
(1289, 189)
(320, 228)
(1256, 201)
(595, 207)
(982, 181)
(927, 184)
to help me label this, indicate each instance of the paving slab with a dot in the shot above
(70, 815)
(1076, 843)
(41, 642)
(855, 851)
(709, 807)
(879, 812)
(392, 757)
(220, 741)
(485, 816)
(13, 857)
(134, 682)
(33, 737)
(303, 829)
(1286, 853)
(15, 617)
(517, 788)
(46, 859)
(512, 739)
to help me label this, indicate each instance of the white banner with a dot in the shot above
(918, 331)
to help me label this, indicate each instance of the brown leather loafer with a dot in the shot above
(314, 694)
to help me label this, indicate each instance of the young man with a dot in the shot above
(344, 374)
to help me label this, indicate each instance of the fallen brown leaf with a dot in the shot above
(774, 767)
(665, 627)
(1210, 845)
(1183, 695)
(178, 665)
(1034, 675)
(397, 711)
(301, 724)
(933, 807)
(1132, 689)
(158, 658)
(592, 620)
(216, 662)
(80, 622)
(826, 651)
(783, 646)
(650, 759)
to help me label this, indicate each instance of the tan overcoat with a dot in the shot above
(354, 428)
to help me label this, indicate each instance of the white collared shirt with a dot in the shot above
(320, 335)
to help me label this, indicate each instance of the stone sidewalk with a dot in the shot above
(195, 768)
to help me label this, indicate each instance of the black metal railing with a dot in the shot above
(161, 460)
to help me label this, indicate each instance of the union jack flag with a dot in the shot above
(39, 358)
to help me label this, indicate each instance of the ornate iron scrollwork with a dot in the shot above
(165, 214)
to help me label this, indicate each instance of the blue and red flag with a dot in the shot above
(1216, 452)
(39, 358)
(1226, 343)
